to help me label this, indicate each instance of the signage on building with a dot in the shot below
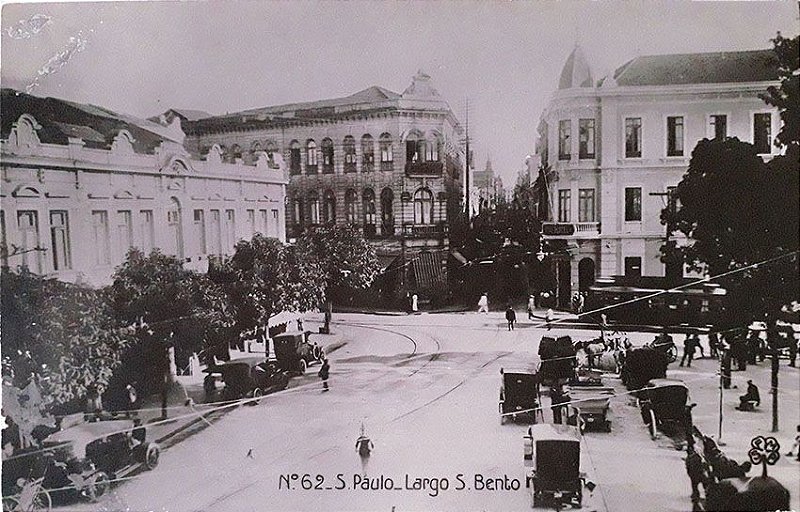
(558, 229)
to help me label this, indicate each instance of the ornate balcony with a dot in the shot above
(571, 229)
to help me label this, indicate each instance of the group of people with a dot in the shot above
(511, 314)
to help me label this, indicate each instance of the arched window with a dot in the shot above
(236, 152)
(350, 198)
(294, 157)
(270, 147)
(367, 153)
(423, 206)
(368, 206)
(255, 147)
(387, 155)
(329, 210)
(174, 245)
(415, 147)
(349, 148)
(327, 155)
(387, 215)
(313, 205)
(432, 149)
(311, 157)
(298, 219)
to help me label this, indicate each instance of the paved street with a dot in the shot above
(426, 389)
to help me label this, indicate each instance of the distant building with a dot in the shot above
(613, 149)
(486, 189)
(81, 185)
(387, 163)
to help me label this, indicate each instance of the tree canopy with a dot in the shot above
(63, 335)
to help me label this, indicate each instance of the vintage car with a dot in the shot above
(591, 404)
(641, 365)
(251, 377)
(662, 404)
(294, 353)
(553, 459)
(519, 396)
(77, 462)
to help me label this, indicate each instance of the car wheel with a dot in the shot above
(257, 394)
(303, 366)
(151, 456)
(98, 487)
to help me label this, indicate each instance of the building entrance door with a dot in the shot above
(585, 274)
(563, 274)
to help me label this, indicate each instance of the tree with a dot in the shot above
(62, 334)
(786, 97)
(729, 209)
(346, 260)
(265, 277)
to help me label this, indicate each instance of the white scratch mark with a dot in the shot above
(76, 44)
(25, 29)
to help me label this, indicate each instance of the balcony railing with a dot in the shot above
(424, 168)
(567, 229)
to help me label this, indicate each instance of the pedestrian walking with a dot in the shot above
(364, 447)
(132, 398)
(690, 345)
(483, 304)
(581, 302)
(511, 317)
(557, 398)
(753, 347)
(531, 306)
(414, 303)
(324, 373)
(696, 470)
(548, 317)
(713, 344)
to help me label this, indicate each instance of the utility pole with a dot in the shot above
(466, 174)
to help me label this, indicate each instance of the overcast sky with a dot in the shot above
(141, 58)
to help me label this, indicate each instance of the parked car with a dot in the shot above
(554, 477)
(519, 396)
(294, 353)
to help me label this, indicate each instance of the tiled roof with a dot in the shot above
(61, 119)
(369, 95)
(191, 115)
(699, 68)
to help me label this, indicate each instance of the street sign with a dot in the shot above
(558, 229)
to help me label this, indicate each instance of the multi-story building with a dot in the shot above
(387, 163)
(81, 185)
(611, 150)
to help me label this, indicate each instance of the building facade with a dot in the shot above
(611, 150)
(486, 189)
(82, 185)
(387, 163)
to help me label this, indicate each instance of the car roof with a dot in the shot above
(552, 432)
(665, 383)
(83, 434)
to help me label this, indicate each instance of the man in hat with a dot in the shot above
(752, 395)
(531, 306)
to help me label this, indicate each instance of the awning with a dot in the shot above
(284, 317)
(428, 270)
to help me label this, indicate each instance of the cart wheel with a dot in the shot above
(653, 429)
(303, 366)
(10, 504)
(42, 501)
(151, 456)
(98, 487)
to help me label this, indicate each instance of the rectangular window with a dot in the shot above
(633, 137)
(675, 136)
(719, 126)
(124, 235)
(264, 222)
(633, 204)
(762, 133)
(251, 221)
(564, 141)
(633, 266)
(230, 229)
(147, 232)
(275, 228)
(216, 232)
(564, 200)
(28, 224)
(102, 254)
(586, 205)
(59, 240)
(200, 230)
(586, 132)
